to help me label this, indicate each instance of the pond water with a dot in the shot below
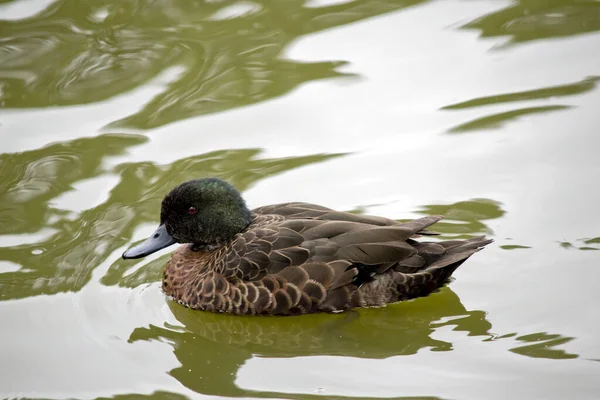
(483, 110)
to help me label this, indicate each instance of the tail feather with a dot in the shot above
(450, 259)
(443, 268)
(457, 251)
(434, 275)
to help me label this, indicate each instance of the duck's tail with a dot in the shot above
(441, 260)
(457, 252)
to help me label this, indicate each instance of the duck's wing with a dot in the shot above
(293, 208)
(299, 210)
(308, 257)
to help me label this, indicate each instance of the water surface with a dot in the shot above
(484, 111)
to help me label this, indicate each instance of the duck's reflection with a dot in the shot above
(213, 347)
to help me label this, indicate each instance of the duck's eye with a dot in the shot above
(192, 210)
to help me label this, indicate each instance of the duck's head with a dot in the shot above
(206, 212)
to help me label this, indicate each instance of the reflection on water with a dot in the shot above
(582, 244)
(542, 346)
(591, 244)
(74, 53)
(497, 120)
(159, 395)
(583, 86)
(229, 341)
(79, 242)
(527, 20)
(463, 219)
(514, 247)
(207, 340)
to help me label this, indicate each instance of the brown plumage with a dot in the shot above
(297, 258)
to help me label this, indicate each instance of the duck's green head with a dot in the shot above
(206, 212)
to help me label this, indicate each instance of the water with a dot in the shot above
(485, 111)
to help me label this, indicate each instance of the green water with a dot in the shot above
(484, 111)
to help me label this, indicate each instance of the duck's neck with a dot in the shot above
(186, 267)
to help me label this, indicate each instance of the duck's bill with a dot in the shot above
(157, 241)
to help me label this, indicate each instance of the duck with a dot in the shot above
(293, 258)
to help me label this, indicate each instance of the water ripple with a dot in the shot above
(74, 53)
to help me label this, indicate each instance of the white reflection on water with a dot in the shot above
(22, 9)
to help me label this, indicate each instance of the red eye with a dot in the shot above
(192, 210)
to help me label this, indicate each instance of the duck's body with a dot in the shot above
(298, 258)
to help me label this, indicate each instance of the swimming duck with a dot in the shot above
(292, 258)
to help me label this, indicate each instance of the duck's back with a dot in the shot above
(299, 258)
